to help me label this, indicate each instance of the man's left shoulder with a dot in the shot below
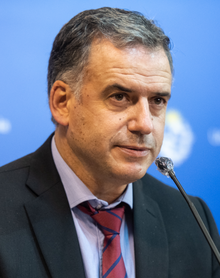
(171, 202)
(156, 189)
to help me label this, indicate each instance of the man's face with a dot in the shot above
(116, 130)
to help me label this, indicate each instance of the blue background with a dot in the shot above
(28, 29)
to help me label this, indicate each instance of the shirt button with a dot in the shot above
(99, 206)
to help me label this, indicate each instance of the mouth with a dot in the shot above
(135, 151)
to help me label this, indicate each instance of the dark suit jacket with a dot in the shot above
(38, 238)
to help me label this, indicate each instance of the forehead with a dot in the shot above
(105, 57)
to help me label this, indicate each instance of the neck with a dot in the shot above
(102, 187)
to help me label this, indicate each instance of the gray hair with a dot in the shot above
(71, 47)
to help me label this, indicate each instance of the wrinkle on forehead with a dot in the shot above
(148, 76)
(99, 46)
(106, 59)
(148, 73)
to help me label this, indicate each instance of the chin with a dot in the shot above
(131, 175)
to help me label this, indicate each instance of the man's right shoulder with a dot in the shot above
(25, 161)
(14, 175)
(20, 163)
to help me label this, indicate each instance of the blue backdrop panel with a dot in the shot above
(192, 133)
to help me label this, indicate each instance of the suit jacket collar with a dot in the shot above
(51, 219)
(43, 174)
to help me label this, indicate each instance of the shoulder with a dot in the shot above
(178, 219)
(14, 173)
(172, 204)
(17, 164)
(156, 189)
(160, 190)
(17, 171)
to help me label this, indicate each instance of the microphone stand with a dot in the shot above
(196, 215)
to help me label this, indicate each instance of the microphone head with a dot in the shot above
(164, 165)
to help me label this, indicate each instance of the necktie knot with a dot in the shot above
(109, 220)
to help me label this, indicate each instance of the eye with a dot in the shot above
(158, 101)
(119, 100)
(119, 97)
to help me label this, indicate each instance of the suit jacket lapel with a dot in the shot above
(150, 240)
(51, 219)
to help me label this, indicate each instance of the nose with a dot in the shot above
(140, 120)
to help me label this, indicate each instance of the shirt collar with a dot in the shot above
(77, 192)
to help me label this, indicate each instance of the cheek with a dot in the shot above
(159, 124)
(88, 132)
(77, 130)
(118, 130)
(96, 126)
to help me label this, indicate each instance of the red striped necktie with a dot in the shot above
(109, 221)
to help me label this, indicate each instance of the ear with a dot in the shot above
(60, 96)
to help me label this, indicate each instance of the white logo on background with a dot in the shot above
(178, 138)
(5, 126)
(214, 136)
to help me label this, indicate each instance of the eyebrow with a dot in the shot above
(124, 89)
(164, 95)
(118, 87)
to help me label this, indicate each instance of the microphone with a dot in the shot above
(165, 166)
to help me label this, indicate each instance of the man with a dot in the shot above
(109, 82)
